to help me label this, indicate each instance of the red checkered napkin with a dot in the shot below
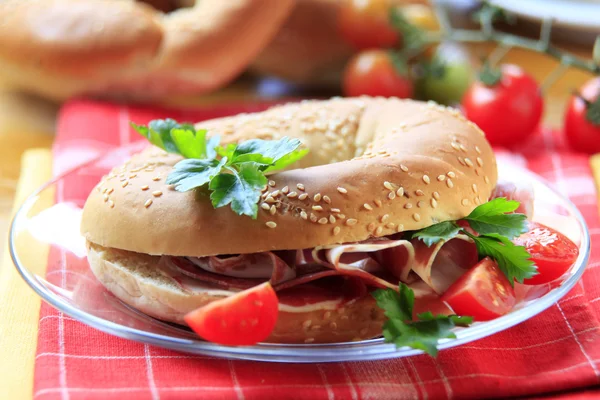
(555, 351)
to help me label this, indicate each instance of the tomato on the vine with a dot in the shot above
(583, 133)
(373, 73)
(551, 251)
(364, 24)
(507, 110)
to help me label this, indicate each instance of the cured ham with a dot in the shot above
(520, 191)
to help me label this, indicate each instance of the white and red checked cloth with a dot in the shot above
(558, 350)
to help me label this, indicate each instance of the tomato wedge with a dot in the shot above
(551, 251)
(483, 292)
(244, 319)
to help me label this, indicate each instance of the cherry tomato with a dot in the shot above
(364, 24)
(508, 111)
(583, 135)
(551, 251)
(372, 73)
(246, 318)
(483, 292)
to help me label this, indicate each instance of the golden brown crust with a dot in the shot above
(411, 164)
(60, 48)
(134, 279)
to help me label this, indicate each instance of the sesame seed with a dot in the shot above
(477, 201)
(400, 228)
(378, 203)
(477, 149)
(371, 226)
(323, 221)
(474, 187)
(110, 191)
(148, 203)
(292, 195)
(416, 217)
(378, 231)
(313, 217)
(271, 183)
(420, 203)
(157, 193)
(351, 221)
(336, 210)
(332, 219)
(303, 215)
(426, 179)
(449, 183)
(105, 198)
(388, 185)
(303, 196)
(400, 192)
(384, 217)
(341, 216)
(300, 186)
(271, 224)
(342, 190)
(273, 210)
(367, 207)
(404, 168)
(390, 225)
(391, 195)
(433, 203)
(326, 199)
(468, 162)
(419, 192)
(477, 172)
(479, 161)
(461, 161)
(264, 206)
(317, 197)
(285, 190)
(270, 199)
(145, 187)
(465, 202)
(156, 178)
(125, 183)
(455, 146)
(463, 148)
(275, 193)
(317, 208)
(451, 174)
(441, 178)
(486, 179)
(336, 230)
(264, 188)
(132, 176)
(407, 206)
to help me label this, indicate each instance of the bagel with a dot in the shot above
(61, 48)
(376, 167)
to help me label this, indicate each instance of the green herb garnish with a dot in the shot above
(422, 334)
(495, 228)
(235, 174)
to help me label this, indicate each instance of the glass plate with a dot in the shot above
(70, 286)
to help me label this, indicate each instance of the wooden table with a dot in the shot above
(26, 122)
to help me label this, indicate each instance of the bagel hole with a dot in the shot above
(167, 6)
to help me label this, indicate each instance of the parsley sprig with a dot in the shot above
(495, 228)
(423, 333)
(235, 174)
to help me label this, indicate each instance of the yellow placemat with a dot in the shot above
(19, 306)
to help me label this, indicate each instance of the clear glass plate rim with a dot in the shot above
(372, 349)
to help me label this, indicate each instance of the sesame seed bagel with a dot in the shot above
(375, 167)
(134, 279)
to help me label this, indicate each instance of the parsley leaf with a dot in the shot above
(241, 188)
(492, 217)
(234, 173)
(423, 333)
(514, 261)
(434, 233)
(192, 173)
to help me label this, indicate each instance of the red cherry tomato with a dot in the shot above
(583, 135)
(246, 318)
(483, 292)
(372, 73)
(507, 112)
(364, 24)
(551, 251)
